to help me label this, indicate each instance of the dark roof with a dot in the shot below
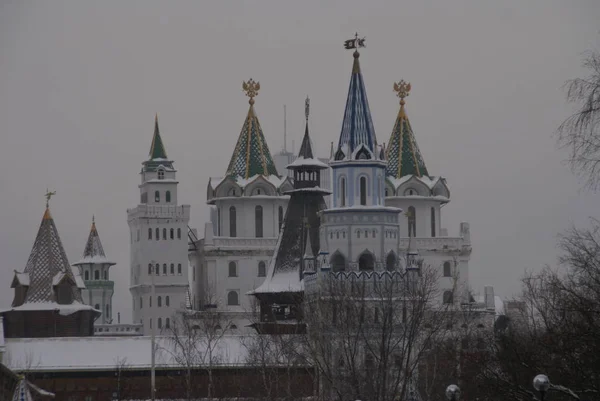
(306, 147)
(157, 154)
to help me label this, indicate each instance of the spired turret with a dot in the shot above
(47, 301)
(94, 268)
(280, 296)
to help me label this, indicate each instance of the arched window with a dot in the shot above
(447, 269)
(150, 301)
(179, 233)
(258, 221)
(338, 262)
(232, 298)
(168, 196)
(363, 190)
(157, 269)
(159, 301)
(179, 269)
(232, 269)
(105, 274)
(150, 322)
(433, 222)
(390, 262)
(149, 268)
(160, 323)
(167, 323)
(280, 217)
(141, 303)
(167, 301)
(96, 275)
(164, 233)
(97, 307)
(342, 192)
(412, 221)
(448, 298)
(387, 192)
(87, 275)
(262, 269)
(156, 196)
(232, 222)
(161, 174)
(173, 268)
(157, 233)
(172, 233)
(149, 233)
(164, 269)
(366, 262)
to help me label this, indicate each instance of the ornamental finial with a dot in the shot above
(307, 107)
(402, 90)
(251, 88)
(49, 195)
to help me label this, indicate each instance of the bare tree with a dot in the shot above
(580, 133)
(368, 331)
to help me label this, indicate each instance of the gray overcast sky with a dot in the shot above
(80, 82)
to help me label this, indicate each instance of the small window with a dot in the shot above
(168, 196)
(363, 190)
(447, 269)
(179, 233)
(173, 268)
(149, 233)
(164, 269)
(232, 298)
(164, 233)
(97, 307)
(161, 174)
(96, 275)
(159, 301)
(167, 301)
(412, 221)
(156, 196)
(433, 222)
(157, 231)
(150, 301)
(448, 297)
(232, 269)
(172, 233)
(160, 323)
(232, 222)
(149, 269)
(141, 303)
(157, 269)
(87, 275)
(358, 234)
(343, 192)
(258, 221)
(167, 323)
(262, 269)
(179, 269)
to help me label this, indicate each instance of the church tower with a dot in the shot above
(359, 232)
(158, 246)
(410, 187)
(249, 204)
(94, 268)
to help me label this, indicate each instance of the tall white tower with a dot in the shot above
(158, 251)
(94, 268)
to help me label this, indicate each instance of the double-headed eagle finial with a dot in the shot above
(251, 88)
(49, 195)
(402, 90)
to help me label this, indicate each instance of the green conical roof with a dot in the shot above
(251, 155)
(402, 153)
(157, 149)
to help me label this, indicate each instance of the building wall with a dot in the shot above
(46, 323)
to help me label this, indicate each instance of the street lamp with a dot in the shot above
(452, 392)
(541, 383)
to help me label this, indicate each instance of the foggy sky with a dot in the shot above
(80, 82)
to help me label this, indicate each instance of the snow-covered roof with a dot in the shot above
(164, 180)
(285, 281)
(93, 252)
(22, 278)
(64, 310)
(301, 161)
(243, 182)
(104, 353)
(309, 189)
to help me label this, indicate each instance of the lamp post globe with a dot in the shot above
(541, 383)
(452, 392)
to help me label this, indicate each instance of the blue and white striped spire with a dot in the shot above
(357, 127)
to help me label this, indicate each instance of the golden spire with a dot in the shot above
(402, 90)
(93, 223)
(251, 88)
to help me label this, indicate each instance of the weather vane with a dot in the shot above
(402, 90)
(49, 195)
(251, 88)
(355, 43)
(307, 107)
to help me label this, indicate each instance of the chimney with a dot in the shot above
(490, 302)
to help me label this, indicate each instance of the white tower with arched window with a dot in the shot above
(249, 203)
(359, 232)
(158, 243)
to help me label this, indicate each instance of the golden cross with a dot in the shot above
(49, 195)
(402, 90)
(251, 88)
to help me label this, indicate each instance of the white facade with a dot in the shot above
(98, 290)
(158, 249)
